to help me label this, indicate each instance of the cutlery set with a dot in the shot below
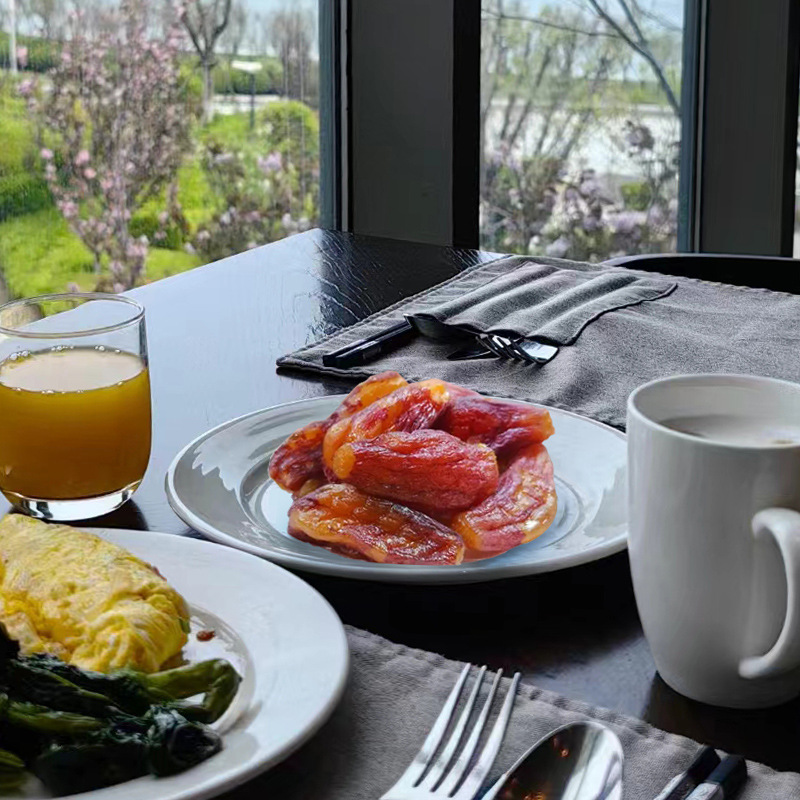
(578, 761)
(479, 345)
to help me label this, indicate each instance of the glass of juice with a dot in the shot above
(74, 403)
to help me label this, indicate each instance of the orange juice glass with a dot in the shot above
(74, 404)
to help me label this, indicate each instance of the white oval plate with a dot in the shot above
(219, 485)
(281, 635)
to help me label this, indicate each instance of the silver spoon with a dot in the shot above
(580, 761)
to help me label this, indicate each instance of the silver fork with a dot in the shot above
(527, 350)
(429, 779)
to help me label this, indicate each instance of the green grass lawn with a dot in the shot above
(16, 134)
(40, 254)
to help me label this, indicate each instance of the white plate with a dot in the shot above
(219, 484)
(281, 635)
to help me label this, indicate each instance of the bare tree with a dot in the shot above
(233, 36)
(257, 36)
(542, 86)
(629, 29)
(292, 36)
(46, 17)
(206, 20)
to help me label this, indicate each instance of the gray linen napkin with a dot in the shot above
(392, 698)
(545, 301)
(699, 327)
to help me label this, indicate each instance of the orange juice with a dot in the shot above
(74, 423)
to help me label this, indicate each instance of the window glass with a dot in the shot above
(137, 141)
(580, 125)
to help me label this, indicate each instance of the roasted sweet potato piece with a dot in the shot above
(407, 409)
(366, 393)
(425, 469)
(299, 458)
(504, 426)
(522, 507)
(343, 520)
(309, 486)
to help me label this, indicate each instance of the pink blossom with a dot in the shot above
(82, 158)
(272, 163)
(46, 153)
(69, 209)
(89, 174)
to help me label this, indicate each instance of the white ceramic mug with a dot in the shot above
(715, 538)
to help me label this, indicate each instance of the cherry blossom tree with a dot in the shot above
(114, 126)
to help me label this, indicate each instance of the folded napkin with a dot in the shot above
(546, 302)
(395, 693)
(698, 326)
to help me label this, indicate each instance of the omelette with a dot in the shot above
(93, 604)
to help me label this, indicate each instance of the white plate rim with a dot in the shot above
(225, 781)
(388, 573)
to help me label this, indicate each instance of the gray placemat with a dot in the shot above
(393, 695)
(698, 327)
(543, 301)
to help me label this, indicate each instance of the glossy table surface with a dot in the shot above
(214, 334)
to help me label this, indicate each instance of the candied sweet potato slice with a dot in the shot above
(426, 469)
(309, 486)
(366, 393)
(407, 409)
(299, 459)
(344, 520)
(504, 426)
(522, 507)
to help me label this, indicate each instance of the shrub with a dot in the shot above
(636, 196)
(42, 54)
(233, 81)
(146, 223)
(291, 129)
(21, 193)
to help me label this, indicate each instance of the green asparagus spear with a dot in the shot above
(217, 679)
(134, 692)
(12, 771)
(44, 720)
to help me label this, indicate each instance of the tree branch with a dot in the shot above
(548, 24)
(223, 22)
(641, 47)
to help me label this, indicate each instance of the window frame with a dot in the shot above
(747, 208)
(716, 214)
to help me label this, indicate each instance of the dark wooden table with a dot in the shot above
(214, 334)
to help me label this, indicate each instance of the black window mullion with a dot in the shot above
(747, 128)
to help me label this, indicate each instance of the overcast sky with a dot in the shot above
(670, 9)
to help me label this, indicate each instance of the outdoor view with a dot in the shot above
(580, 120)
(141, 138)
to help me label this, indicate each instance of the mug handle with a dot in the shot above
(783, 525)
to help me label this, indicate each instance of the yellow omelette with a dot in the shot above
(91, 603)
